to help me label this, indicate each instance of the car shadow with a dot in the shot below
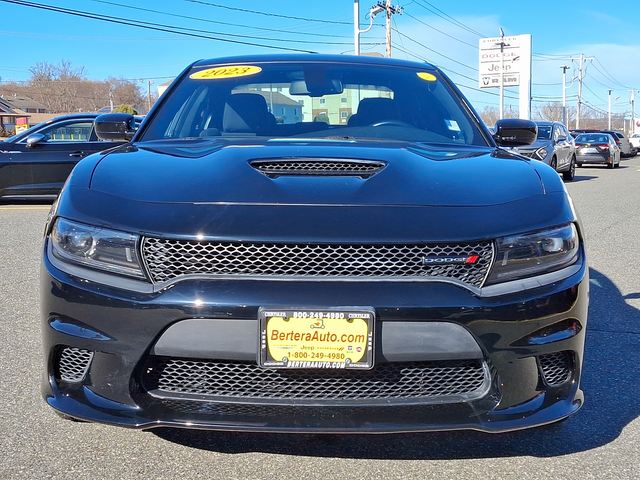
(609, 381)
(582, 178)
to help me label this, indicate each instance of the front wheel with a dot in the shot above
(571, 173)
(554, 163)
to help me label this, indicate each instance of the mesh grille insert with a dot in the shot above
(167, 259)
(316, 166)
(556, 367)
(234, 379)
(73, 364)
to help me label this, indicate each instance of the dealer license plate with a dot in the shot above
(588, 150)
(316, 338)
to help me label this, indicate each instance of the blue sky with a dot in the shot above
(443, 33)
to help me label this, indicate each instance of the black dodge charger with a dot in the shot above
(314, 243)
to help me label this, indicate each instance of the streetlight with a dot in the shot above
(564, 94)
(609, 90)
(356, 23)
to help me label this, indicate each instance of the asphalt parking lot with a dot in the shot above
(600, 442)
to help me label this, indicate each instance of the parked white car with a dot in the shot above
(634, 140)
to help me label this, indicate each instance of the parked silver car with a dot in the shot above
(555, 147)
(623, 142)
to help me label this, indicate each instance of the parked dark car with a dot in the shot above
(385, 268)
(554, 146)
(37, 162)
(597, 148)
(623, 143)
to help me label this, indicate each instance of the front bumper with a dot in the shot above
(527, 345)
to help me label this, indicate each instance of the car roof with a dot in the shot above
(314, 57)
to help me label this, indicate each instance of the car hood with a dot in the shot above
(211, 172)
(204, 188)
(535, 145)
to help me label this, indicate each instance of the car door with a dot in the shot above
(571, 145)
(562, 146)
(40, 166)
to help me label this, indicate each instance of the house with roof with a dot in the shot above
(11, 117)
(25, 104)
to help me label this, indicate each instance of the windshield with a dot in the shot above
(592, 138)
(544, 132)
(314, 100)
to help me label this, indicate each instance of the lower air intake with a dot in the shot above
(231, 379)
(73, 364)
(556, 367)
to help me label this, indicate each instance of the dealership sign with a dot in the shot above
(509, 55)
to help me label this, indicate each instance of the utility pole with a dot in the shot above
(582, 59)
(390, 10)
(502, 45)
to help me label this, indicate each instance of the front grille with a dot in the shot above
(246, 380)
(316, 166)
(167, 259)
(73, 364)
(556, 367)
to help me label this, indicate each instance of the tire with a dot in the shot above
(610, 165)
(617, 165)
(571, 173)
(554, 164)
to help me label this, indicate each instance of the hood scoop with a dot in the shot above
(318, 167)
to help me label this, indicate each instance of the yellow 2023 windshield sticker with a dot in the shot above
(429, 77)
(226, 72)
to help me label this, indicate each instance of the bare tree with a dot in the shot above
(63, 88)
(490, 115)
(548, 112)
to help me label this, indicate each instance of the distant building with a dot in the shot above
(25, 104)
(285, 109)
(11, 117)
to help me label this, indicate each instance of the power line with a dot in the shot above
(608, 75)
(270, 14)
(158, 27)
(443, 33)
(186, 17)
(448, 18)
(436, 52)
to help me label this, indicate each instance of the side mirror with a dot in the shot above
(35, 139)
(562, 138)
(115, 127)
(515, 132)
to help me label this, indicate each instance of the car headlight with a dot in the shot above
(541, 153)
(534, 253)
(95, 247)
